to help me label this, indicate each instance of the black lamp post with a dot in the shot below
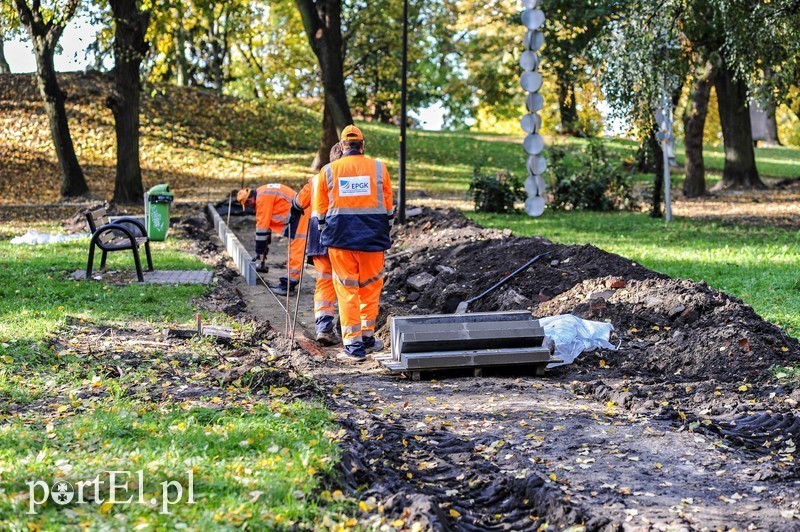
(401, 180)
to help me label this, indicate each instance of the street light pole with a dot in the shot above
(401, 181)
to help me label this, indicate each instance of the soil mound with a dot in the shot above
(668, 329)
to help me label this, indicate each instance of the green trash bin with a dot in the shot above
(157, 211)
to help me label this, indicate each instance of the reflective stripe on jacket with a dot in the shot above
(273, 205)
(352, 201)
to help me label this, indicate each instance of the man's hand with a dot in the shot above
(296, 211)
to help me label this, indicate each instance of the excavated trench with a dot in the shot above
(684, 427)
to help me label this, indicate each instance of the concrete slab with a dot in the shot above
(154, 277)
(241, 257)
(475, 358)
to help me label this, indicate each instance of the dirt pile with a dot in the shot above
(668, 329)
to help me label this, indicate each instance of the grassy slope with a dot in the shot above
(204, 145)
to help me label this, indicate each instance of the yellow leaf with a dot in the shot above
(62, 408)
(364, 506)
(552, 477)
(273, 390)
(784, 349)
(216, 400)
(338, 495)
(106, 507)
(634, 330)
(659, 465)
(656, 328)
(743, 388)
(398, 523)
(430, 399)
(454, 513)
(351, 522)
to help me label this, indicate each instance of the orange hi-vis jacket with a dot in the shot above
(273, 206)
(352, 201)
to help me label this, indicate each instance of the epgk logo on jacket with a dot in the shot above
(354, 186)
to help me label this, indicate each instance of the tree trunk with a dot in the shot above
(73, 182)
(772, 138)
(322, 22)
(129, 49)
(180, 56)
(567, 107)
(330, 136)
(653, 156)
(694, 123)
(4, 66)
(44, 37)
(740, 161)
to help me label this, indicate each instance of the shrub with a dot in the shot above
(495, 193)
(590, 180)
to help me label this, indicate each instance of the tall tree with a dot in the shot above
(652, 43)
(9, 25)
(569, 34)
(129, 48)
(4, 66)
(322, 20)
(694, 123)
(45, 27)
(737, 132)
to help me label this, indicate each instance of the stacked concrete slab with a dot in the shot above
(475, 340)
(241, 257)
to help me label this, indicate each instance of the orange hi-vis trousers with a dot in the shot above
(358, 281)
(324, 292)
(297, 249)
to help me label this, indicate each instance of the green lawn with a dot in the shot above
(441, 163)
(78, 400)
(757, 264)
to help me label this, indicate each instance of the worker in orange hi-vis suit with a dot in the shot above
(324, 293)
(352, 202)
(273, 205)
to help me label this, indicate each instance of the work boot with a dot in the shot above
(372, 344)
(327, 337)
(353, 353)
(282, 288)
(351, 358)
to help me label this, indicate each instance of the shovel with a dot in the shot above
(462, 307)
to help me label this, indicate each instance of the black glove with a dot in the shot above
(297, 211)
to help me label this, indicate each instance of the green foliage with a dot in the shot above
(591, 181)
(756, 264)
(787, 374)
(497, 192)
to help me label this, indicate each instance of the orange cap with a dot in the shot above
(352, 133)
(242, 196)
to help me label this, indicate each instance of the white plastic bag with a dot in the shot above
(573, 335)
(34, 237)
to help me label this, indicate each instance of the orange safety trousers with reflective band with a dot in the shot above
(358, 281)
(324, 292)
(273, 211)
